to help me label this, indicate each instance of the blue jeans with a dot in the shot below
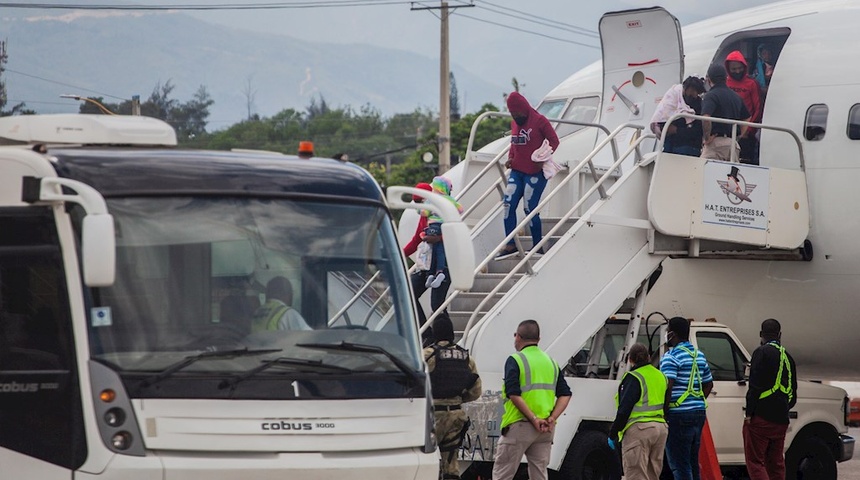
(439, 261)
(531, 187)
(682, 446)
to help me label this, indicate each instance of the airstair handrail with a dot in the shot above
(594, 188)
(734, 131)
(354, 298)
(587, 161)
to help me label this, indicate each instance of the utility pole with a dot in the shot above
(444, 85)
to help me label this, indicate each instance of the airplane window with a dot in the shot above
(552, 108)
(582, 109)
(816, 122)
(854, 122)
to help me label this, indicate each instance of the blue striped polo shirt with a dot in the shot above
(677, 364)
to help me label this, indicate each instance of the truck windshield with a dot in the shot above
(206, 274)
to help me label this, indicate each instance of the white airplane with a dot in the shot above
(815, 92)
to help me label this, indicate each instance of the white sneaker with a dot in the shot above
(437, 282)
(429, 281)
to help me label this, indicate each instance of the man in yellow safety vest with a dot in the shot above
(639, 423)
(771, 394)
(535, 395)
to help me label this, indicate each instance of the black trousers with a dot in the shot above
(437, 297)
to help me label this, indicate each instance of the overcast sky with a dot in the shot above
(496, 53)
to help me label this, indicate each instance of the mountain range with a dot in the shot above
(119, 54)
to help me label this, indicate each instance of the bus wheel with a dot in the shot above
(810, 459)
(590, 458)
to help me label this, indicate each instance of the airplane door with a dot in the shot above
(643, 56)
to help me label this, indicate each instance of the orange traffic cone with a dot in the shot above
(709, 466)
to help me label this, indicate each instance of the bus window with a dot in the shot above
(815, 125)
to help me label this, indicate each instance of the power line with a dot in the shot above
(539, 22)
(584, 30)
(529, 31)
(64, 84)
(214, 6)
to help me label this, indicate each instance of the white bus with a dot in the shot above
(132, 276)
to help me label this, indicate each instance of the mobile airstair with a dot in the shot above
(626, 218)
(610, 219)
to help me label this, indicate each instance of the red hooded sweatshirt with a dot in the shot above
(746, 88)
(529, 136)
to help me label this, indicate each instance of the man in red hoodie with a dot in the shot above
(526, 180)
(748, 90)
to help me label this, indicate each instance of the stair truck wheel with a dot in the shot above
(590, 458)
(809, 459)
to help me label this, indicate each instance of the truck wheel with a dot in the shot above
(810, 459)
(590, 458)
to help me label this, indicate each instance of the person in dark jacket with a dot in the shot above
(772, 394)
(640, 426)
(721, 102)
(454, 380)
(526, 181)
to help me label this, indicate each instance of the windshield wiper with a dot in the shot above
(362, 348)
(244, 352)
(280, 361)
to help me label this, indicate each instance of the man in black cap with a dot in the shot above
(454, 380)
(721, 102)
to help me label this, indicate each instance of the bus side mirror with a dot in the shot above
(98, 257)
(455, 234)
(98, 250)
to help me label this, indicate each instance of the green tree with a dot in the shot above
(189, 119)
(454, 99)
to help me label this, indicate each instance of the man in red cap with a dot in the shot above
(419, 276)
(526, 181)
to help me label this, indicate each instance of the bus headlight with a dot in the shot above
(121, 440)
(114, 417)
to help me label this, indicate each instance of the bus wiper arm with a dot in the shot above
(243, 352)
(360, 347)
(280, 361)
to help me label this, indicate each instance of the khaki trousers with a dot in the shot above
(522, 439)
(720, 148)
(448, 428)
(642, 450)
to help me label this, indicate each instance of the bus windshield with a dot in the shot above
(251, 282)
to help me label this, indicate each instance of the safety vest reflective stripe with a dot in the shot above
(649, 407)
(783, 363)
(538, 379)
(643, 404)
(691, 384)
(528, 386)
(268, 320)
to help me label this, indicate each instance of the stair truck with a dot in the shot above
(611, 218)
(130, 273)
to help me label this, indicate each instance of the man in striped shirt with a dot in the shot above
(690, 382)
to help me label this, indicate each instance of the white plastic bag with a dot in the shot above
(423, 256)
